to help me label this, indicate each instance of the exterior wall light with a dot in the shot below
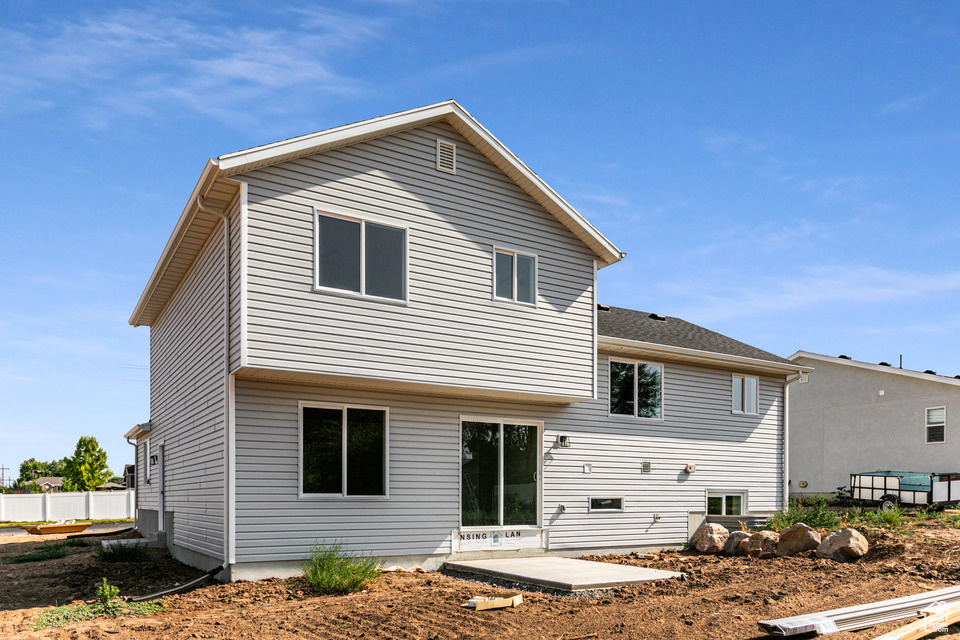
(564, 441)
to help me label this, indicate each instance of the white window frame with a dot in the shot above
(536, 276)
(927, 425)
(622, 499)
(301, 405)
(743, 397)
(636, 384)
(501, 422)
(722, 494)
(330, 213)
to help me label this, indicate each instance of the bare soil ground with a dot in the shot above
(723, 598)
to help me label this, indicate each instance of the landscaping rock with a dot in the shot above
(732, 546)
(843, 546)
(709, 538)
(797, 538)
(762, 544)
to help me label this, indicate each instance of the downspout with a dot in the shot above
(228, 506)
(786, 438)
(136, 499)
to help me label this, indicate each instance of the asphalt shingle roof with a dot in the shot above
(615, 322)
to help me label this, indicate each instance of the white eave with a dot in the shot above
(636, 348)
(139, 431)
(879, 368)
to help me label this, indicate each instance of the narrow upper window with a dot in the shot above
(446, 156)
(343, 451)
(936, 425)
(724, 504)
(515, 276)
(636, 389)
(361, 256)
(745, 395)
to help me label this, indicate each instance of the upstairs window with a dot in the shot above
(636, 389)
(745, 394)
(515, 276)
(360, 256)
(936, 423)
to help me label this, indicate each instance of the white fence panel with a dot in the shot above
(51, 507)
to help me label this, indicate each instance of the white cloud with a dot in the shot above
(143, 61)
(909, 104)
(810, 289)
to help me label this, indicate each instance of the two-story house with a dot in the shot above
(388, 334)
(856, 417)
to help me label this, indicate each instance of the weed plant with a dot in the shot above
(812, 512)
(46, 552)
(331, 569)
(108, 605)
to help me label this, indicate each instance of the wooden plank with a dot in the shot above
(934, 619)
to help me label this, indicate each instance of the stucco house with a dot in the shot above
(388, 334)
(854, 417)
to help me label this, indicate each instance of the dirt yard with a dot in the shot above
(723, 598)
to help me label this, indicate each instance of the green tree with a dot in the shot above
(88, 466)
(33, 468)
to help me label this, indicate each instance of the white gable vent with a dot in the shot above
(446, 156)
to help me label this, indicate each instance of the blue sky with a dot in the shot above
(783, 173)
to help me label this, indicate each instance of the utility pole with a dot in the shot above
(3, 477)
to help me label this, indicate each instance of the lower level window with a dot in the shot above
(343, 451)
(725, 504)
(606, 504)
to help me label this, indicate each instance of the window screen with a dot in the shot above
(338, 253)
(621, 388)
(504, 275)
(384, 258)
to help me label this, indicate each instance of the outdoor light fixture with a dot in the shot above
(564, 441)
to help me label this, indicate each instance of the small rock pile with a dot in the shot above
(843, 546)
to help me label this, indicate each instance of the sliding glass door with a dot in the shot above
(499, 474)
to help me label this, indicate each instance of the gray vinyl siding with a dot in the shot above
(840, 424)
(450, 331)
(732, 452)
(187, 402)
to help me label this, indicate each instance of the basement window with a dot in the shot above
(606, 504)
(936, 422)
(725, 504)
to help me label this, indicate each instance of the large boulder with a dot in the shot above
(709, 538)
(843, 546)
(797, 538)
(732, 546)
(762, 544)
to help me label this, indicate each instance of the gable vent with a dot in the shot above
(446, 156)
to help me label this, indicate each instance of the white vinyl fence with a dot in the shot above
(52, 507)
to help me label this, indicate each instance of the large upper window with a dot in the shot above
(936, 422)
(343, 451)
(361, 256)
(515, 276)
(636, 389)
(745, 396)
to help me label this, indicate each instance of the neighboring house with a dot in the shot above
(387, 334)
(110, 486)
(50, 484)
(853, 417)
(130, 476)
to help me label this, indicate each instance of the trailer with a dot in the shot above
(887, 489)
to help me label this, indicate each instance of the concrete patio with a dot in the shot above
(561, 573)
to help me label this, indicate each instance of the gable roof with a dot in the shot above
(879, 368)
(53, 481)
(629, 331)
(218, 191)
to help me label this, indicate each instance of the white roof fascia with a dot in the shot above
(138, 431)
(210, 174)
(697, 355)
(909, 373)
(249, 159)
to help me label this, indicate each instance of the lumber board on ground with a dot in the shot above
(934, 619)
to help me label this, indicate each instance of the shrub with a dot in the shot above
(810, 511)
(330, 569)
(122, 553)
(883, 519)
